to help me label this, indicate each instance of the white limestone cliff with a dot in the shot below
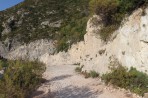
(33, 50)
(129, 45)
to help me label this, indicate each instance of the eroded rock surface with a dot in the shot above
(129, 45)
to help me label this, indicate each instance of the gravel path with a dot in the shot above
(64, 82)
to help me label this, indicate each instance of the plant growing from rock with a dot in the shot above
(113, 12)
(79, 68)
(93, 74)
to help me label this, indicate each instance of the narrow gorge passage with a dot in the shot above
(64, 82)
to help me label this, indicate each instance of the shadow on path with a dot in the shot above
(59, 78)
(73, 92)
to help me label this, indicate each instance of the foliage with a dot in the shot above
(93, 74)
(20, 79)
(71, 33)
(105, 8)
(73, 14)
(79, 68)
(130, 5)
(62, 45)
(1, 29)
(77, 64)
(131, 79)
(3, 64)
(107, 31)
(113, 12)
(85, 74)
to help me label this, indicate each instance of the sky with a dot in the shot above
(4, 4)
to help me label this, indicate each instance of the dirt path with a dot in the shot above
(64, 82)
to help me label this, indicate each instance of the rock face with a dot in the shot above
(3, 50)
(129, 45)
(7, 26)
(31, 51)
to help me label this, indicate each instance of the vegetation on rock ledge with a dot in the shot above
(113, 12)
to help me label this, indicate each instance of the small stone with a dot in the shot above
(128, 95)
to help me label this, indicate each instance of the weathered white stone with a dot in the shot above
(33, 50)
(52, 24)
(55, 24)
(45, 23)
(129, 46)
(6, 30)
(3, 50)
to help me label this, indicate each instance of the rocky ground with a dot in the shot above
(64, 82)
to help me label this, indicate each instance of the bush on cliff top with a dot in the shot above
(113, 12)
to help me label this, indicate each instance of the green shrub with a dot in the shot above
(1, 29)
(79, 68)
(130, 5)
(20, 79)
(3, 64)
(72, 32)
(62, 45)
(94, 74)
(131, 79)
(73, 14)
(77, 64)
(113, 12)
(107, 31)
(86, 74)
(106, 9)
